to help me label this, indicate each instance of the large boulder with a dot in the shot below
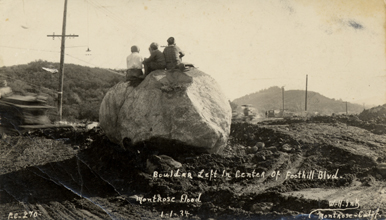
(184, 108)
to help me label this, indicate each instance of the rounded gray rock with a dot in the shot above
(184, 107)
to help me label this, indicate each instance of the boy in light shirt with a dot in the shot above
(134, 65)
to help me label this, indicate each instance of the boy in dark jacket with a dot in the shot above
(156, 61)
(173, 54)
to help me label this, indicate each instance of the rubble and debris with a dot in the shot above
(254, 177)
(375, 115)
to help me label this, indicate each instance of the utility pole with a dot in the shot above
(282, 92)
(306, 92)
(61, 68)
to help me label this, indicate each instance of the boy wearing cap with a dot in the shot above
(134, 65)
(173, 54)
(156, 61)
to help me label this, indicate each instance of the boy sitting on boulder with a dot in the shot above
(156, 61)
(173, 55)
(134, 65)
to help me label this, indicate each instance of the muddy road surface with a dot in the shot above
(330, 168)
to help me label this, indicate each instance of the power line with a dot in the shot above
(29, 49)
(104, 12)
(114, 16)
(107, 11)
(77, 46)
(58, 52)
(95, 65)
(116, 20)
(40, 49)
(81, 60)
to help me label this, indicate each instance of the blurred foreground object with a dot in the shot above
(19, 112)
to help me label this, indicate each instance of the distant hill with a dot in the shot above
(294, 101)
(83, 87)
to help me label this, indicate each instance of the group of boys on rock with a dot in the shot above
(169, 59)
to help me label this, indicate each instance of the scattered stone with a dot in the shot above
(259, 157)
(382, 169)
(262, 207)
(242, 152)
(251, 150)
(161, 162)
(368, 181)
(260, 145)
(265, 153)
(286, 148)
(92, 125)
(272, 149)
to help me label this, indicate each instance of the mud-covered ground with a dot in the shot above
(328, 167)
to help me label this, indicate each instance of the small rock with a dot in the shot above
(260, 145)
(382, 169)
(259, 158)
(272, 148)
(251, 150)
(92, 125)
(264, 207)
(161, 162)
(242, 152)
(286, 148)
(265, 153)
(171, 162)
(256, 208)
(122, 198)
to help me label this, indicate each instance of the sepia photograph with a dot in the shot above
(193, 109)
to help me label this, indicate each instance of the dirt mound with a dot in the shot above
(374, 126)
(375, 115)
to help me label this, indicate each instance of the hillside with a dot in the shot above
(271, 98)
(83, 87)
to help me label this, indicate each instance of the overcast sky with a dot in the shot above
(246, 45)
